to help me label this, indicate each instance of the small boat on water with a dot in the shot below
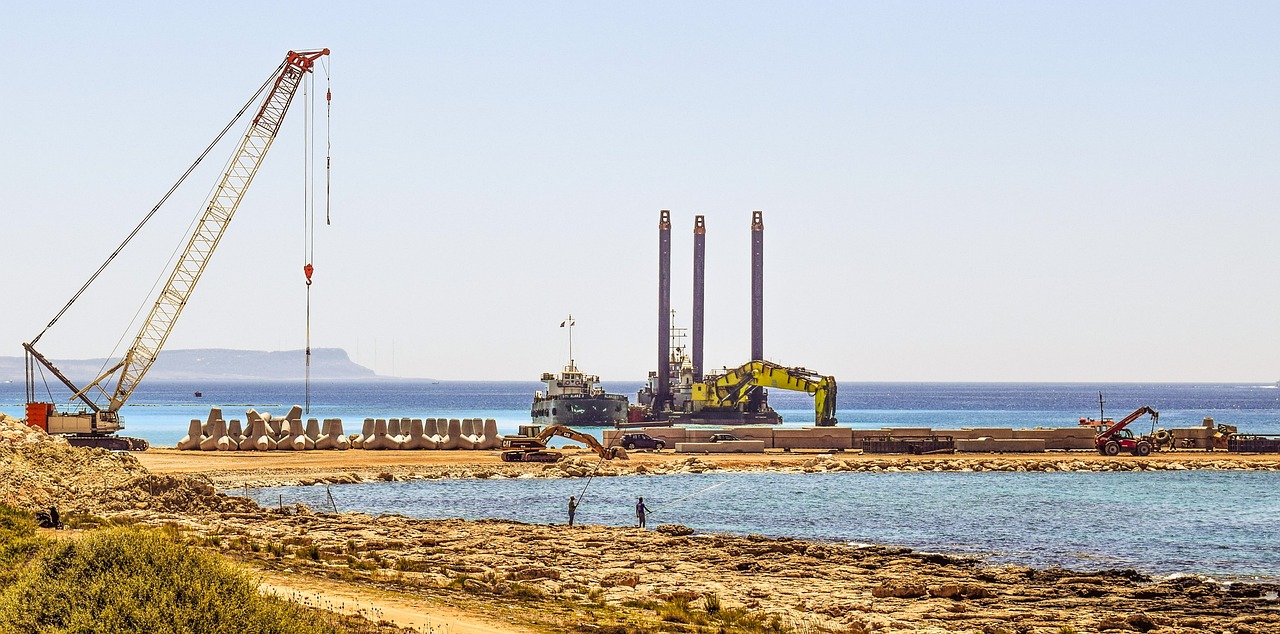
(199, 394)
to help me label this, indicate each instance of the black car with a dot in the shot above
(641, 441)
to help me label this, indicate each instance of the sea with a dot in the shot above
(1219, 524)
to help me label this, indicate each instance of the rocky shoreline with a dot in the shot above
(608, 579)
(587, 465)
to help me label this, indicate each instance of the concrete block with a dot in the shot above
(1000, 445)
(909, 432)
(989, 432)
(724, 446)
(755, 432)
(813, 438)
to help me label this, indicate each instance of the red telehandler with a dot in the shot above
(1113, 439)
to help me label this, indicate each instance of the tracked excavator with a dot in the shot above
(534, 448)
(732, 389)
(95, 423)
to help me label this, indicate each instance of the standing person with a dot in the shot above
(641, 509)
(573, 508)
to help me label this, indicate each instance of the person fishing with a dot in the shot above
(573, 508)
(641, 509)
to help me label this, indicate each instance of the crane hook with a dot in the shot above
(308, 269)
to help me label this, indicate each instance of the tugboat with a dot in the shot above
(573, 398)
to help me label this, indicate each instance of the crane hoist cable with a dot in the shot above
(309, 206)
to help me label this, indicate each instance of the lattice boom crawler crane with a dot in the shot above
(97, 425)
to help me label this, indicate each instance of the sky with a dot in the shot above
(952, 191)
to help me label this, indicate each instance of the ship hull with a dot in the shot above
(604, 411)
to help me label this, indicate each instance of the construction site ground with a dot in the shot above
(230, 470)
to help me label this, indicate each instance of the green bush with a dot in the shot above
(125, 580)
(19, 543)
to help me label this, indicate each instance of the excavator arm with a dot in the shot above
(608, 453)
(736, 385)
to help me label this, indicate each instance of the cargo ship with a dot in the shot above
(574, 399)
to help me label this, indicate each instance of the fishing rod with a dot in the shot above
(699, 492)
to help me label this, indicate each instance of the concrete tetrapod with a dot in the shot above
(224, 441)
(259, 439)
(235, 432)
(417, 438)
(453, 435)
(272, 425)
(291, 438)
(491, 438)
(217, 432)
(469, 438)
(340, 439)
(313, 432)
(357, 440)
(193, 437)
(380, 440)
(324, 440)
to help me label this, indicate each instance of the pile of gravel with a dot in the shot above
(38, 471)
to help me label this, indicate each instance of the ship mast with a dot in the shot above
(569, 322)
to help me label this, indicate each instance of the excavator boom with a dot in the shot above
(735, 386)
(535, 448)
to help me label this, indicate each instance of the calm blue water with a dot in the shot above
(1216, 523)
(159, 411)
(1219, 523)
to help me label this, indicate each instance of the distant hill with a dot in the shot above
(215, 363)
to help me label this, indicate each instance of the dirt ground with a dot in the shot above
(233, 469)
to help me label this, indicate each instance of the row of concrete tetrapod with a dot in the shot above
(263, 432)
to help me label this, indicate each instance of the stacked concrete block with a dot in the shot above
(1000, 445)
(813, 438)
(724, 446)
(764, 434)
(982, 432)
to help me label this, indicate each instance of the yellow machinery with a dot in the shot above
(534, 448)
(732, 390)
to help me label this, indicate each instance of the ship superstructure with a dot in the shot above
(574, 398)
